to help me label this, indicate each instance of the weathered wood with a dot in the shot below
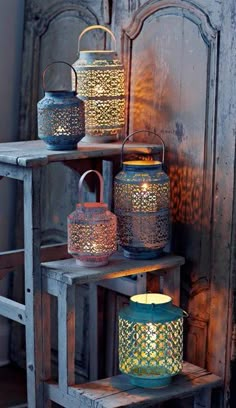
(11, 259)
(12, 310)
(203, 399)
(93, 332)
(118, 392)
(69, 272)
(9, 170)
(66, 336)
(123, 285)
(33, 287)
(171, 284)
(34, 153)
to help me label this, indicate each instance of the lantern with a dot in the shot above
(101, 86)
(141, 201)
(150, 340)
(60, 117)
(91, 230)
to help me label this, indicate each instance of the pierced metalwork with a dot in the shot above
(61, 117)
(151, 348)
(91, 230)
(150, 340)
(101, 87)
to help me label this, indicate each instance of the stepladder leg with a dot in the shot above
(66, 336)
(93, 332)
(46, 318)
(33, 287)
(203, 399)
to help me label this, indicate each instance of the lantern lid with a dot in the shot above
(151, 307)
(151, 299)
(92, 207)
(60, 94)
(143, 164)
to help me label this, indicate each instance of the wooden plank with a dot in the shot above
(171, 284)
(32, 183)
(10, 170)
(118, 391)
(11, 259)
(46, 319)
(69, 272)
(66, 336)
(12, 310)
(34, 153)
(203, 399)
(93, 332)
(123, 285)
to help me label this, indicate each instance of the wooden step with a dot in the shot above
(69, 272)
(116, 392)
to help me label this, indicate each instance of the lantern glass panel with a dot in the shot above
(151, 340)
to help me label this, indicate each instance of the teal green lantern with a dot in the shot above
(151, 340)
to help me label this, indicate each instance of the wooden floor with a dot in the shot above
(12, 387)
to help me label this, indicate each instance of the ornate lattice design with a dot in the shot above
(104, 114)
(144, 230)
(63, 121)
(91, 233)
(142, 197)
(97, 83)
(150, 349)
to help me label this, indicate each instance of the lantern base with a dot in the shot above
(142, 253)
(146, 382)
(91, 264)
(62, 147)
(99, 139)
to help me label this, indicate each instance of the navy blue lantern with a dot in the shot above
(61, 123)
(151, 340)
(141, 201)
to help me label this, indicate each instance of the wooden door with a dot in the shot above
(180, 78)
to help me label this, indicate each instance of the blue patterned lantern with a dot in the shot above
(61, 123)
(151, 340)
(141, 201)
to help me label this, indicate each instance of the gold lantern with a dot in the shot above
(101, 87)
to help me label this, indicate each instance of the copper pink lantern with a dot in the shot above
(91, 229)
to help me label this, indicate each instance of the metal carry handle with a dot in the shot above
(81, 184)
(97, 27)
(59, 62)
(141, 131)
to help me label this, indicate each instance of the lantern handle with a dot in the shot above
(101, 184)
(140, 131)
(95, 27)
(59, 62)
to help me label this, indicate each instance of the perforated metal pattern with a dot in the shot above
(95, 83)
(144, 230)
(91, 233)
(143, 197)
(59, 121)
(101, 86)
(150, 348)
(104, 115)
